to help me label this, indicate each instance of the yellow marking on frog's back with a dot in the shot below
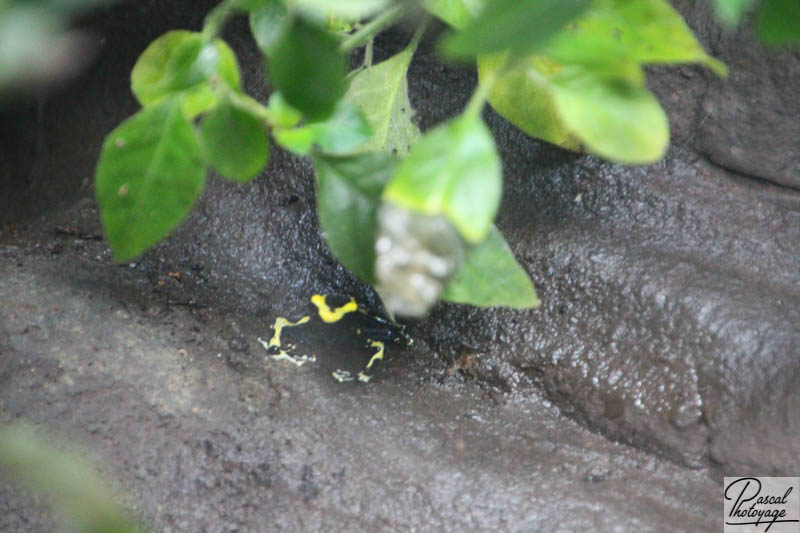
(378, 355)
(281, 323)
(327, 314)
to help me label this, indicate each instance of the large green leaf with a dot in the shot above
(348, 195)
(779, 21)
(586, 89)
(234, 142)
(614, 119)
(653, 32)
(149, 174)
(457, 13)
(490, 276)
(615, 36)
(307, 67)
(269, 22)
(594, 42)
(517, 25)
(524, 96)
(382, 93)
(181, 61)
(570, 106)
(453, 170)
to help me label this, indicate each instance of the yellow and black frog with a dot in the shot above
(336, 335)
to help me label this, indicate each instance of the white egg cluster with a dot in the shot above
(415, 257)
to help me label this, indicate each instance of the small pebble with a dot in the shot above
(238, 344)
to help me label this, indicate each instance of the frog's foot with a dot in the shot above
(277, 354)
(342, 376)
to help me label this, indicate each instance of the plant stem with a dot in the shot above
(368, 54)
(478, 99)
(373, 27)
(418, 34)
(216, 19)
(242, 101)
(254, 107)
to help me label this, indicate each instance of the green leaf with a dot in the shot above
(348, 196)
(343, 133)
(517, 25)
(524, 96)
(198, 100)
(38, 462)
(297, 140)
(730, 12)
(382, 93)
(491, 276)
(233, 142)
(594, 41)
(569, 106)
(613, 118)
(348, 9)
(269, 23)
(654, 32)
(457, 13)
(779, 21)
(586, 86)
(453, 170)
(149, 174)
(615, 36)
(307, 67)
(180, 61)
(282, 114)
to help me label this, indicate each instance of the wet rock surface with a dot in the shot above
(203, 438)
(669, 322)
(747, 122)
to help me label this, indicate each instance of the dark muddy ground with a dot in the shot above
(665, 353)
(203, 433)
